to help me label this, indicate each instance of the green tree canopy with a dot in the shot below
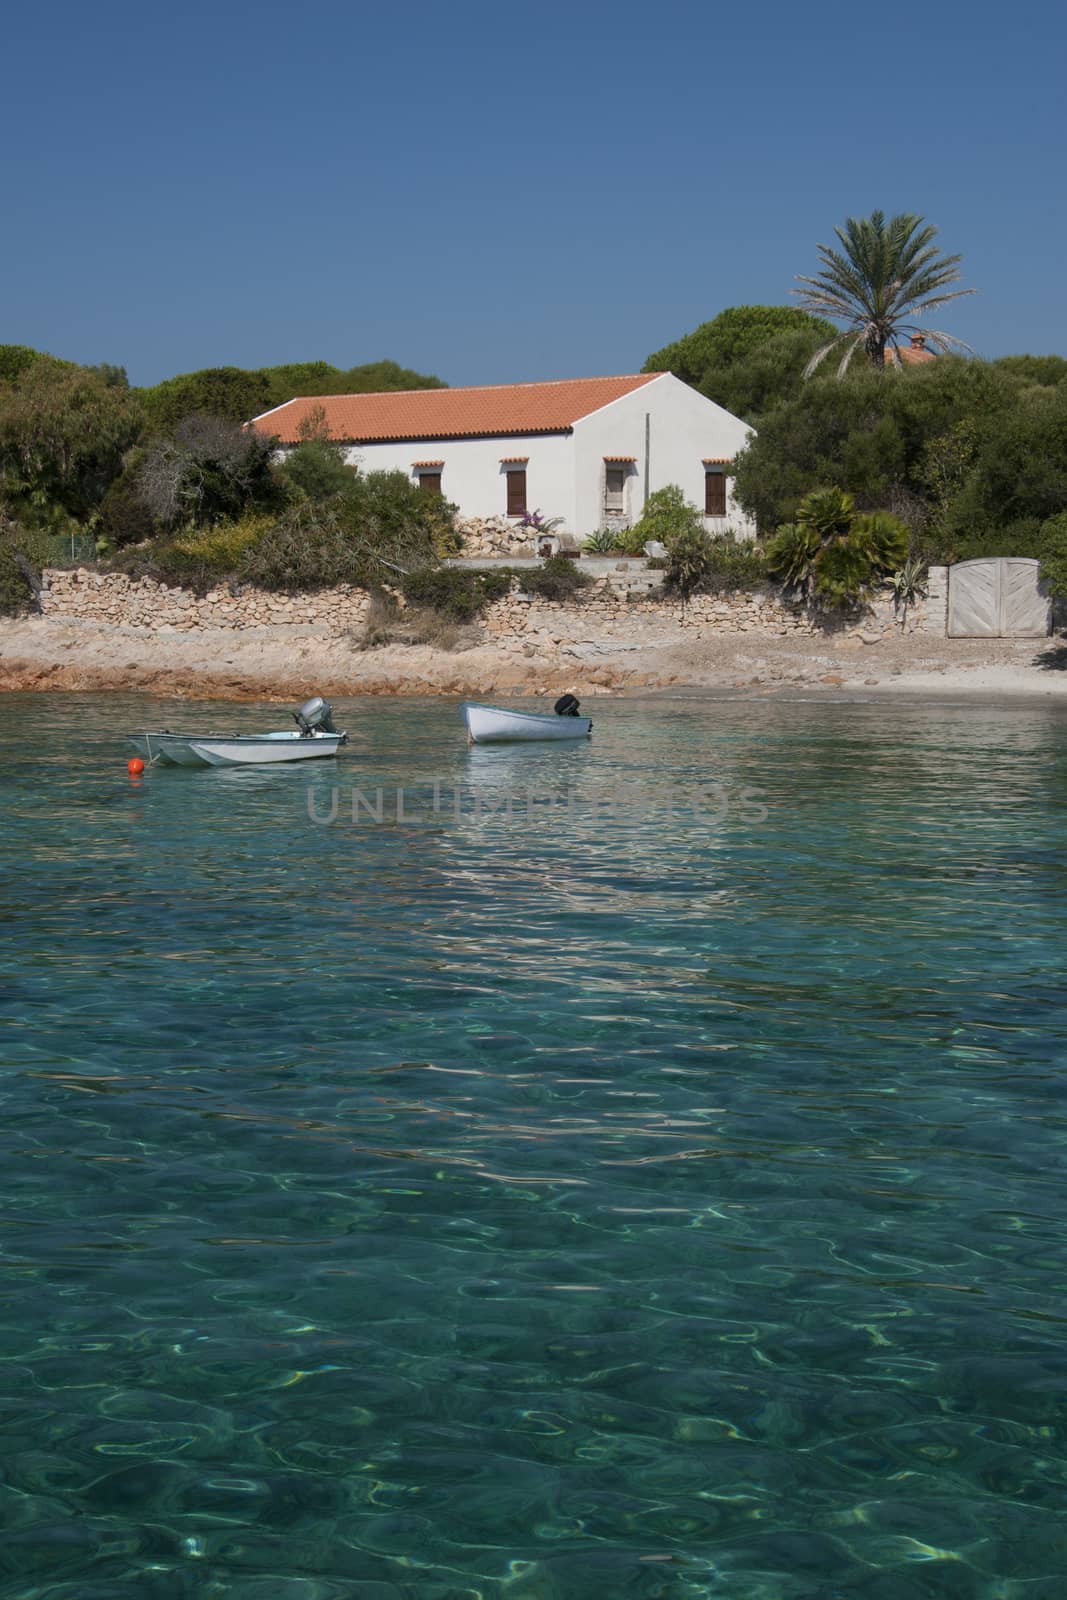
(227, 392)
(747, 359)
(886, 274)
(1046, 371)
(237, 394)
(15, 358)
(904, 447)
(1018, 478)
(63, 433)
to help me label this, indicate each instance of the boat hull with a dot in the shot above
(491, 725)
(235, 750)
(243, 752)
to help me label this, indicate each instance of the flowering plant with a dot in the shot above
(538, 523)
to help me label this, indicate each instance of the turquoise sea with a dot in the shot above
(642, 1175)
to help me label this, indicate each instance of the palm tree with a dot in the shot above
(886, 274)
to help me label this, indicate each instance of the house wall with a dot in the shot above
(684, 428)
(473, 476)
(565, 471)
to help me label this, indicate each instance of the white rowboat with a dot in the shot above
(317, 737)
(491, 725)
(237, 750)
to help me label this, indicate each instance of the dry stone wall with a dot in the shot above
(607, 611)
(111, 597)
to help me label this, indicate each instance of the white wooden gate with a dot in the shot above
(1000, 598)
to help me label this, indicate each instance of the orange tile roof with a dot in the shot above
(452, 413)
(911, 353)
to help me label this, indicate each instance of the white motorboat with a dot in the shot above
(315, 736)
(492, 725)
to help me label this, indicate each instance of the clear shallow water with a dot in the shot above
(597, 1201)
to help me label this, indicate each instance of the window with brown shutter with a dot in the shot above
(430, 482)
(715, 494)
(614, 490)
(516, 477)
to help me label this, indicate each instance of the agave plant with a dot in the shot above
(909, 584)
(886, 274)
(603, 542)
(833, 556)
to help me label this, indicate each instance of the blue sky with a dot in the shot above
(500, 192)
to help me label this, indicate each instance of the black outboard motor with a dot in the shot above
(567, 705)
(315, 716)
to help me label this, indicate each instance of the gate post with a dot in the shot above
(935, 608)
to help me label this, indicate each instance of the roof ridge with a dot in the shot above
(548, 405)
(469, 388)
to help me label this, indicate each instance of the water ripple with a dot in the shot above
(641, 1175)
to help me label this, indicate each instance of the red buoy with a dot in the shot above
(135, 766)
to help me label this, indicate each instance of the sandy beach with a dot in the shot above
(286, 662)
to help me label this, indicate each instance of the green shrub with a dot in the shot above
(688, 562)
(396, 521)
(559, 578)
(832, 557)
(200, 558)
(667, 515)
(1054, 553)
(603, 542)
(219, 552)
(208, 470)
(124, 516)
(737, 564)
(631, 541)
(22, 555)
(456, 593)
(307, 548)
(316, 468)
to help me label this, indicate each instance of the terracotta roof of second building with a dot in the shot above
(912, 353)
(510, 408)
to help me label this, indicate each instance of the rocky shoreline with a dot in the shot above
(104, 632)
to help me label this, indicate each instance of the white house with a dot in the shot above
(585, 450)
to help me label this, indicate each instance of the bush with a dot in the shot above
(208, 469)
(316, 469)
(603, 542)
(696, 561)
(559, 578)
(833, 557)
(395, 521)
(22, 555)
(667, 515)
(124, 517)
(454, 593)
(1054, 553)
(307, 548)
(688, 562)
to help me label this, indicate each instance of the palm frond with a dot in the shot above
(820, 355)
(856, 344)
(884, 271)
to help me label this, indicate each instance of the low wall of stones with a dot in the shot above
(620, 612)
(111, 597)
(609, 610)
